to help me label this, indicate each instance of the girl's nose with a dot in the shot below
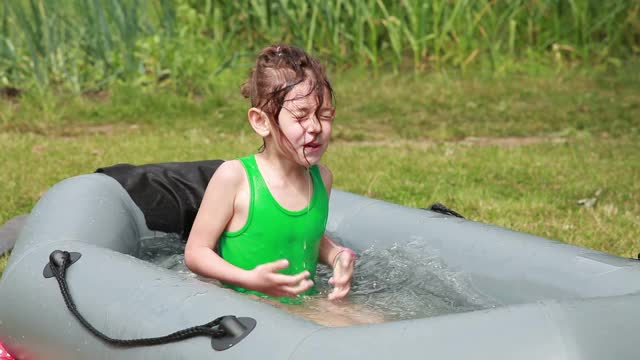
(314, 124)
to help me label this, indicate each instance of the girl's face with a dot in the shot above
(307, 128)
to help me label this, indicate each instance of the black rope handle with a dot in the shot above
(439, 208)
(61, 260)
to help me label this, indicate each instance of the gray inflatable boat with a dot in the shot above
(557, 301)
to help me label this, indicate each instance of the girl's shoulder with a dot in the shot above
(229, 173)
(327, 176)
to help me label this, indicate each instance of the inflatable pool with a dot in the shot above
(557, 301)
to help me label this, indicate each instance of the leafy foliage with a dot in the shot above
(85, 45)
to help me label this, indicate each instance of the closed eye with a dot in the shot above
(324, 115)
(327, 115)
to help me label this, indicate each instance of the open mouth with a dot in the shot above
(312, 145)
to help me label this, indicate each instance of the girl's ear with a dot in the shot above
(259, 122)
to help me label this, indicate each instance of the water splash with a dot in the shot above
(406, 281)
(409, 281)
(166, 251)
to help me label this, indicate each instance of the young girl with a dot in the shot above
(266, 213)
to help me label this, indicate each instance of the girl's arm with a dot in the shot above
(341, 259)
(216, 210)
(330, 250)
(328, 247)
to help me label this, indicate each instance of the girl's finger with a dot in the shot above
(342, 279)
(296, 290)
(290, 280)
(339, 293)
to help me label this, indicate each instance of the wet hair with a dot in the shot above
(278, 69)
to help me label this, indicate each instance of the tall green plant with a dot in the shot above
(87, 44)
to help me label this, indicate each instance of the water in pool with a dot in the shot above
(405, 281)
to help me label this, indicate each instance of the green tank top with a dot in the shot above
(272, 232)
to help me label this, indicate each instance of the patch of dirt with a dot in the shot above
(10, 92)
(71, 131)
(100, 129)
(509, 141)
(426, 143)
(97, 95)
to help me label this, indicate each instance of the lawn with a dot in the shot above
(517, 151)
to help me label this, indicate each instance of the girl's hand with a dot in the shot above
(266, 279)
(343, 266)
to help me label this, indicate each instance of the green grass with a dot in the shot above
(515, 151)
(186, 44)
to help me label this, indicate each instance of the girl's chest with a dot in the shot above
(289, 197)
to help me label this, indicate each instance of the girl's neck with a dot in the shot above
(281, 165)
